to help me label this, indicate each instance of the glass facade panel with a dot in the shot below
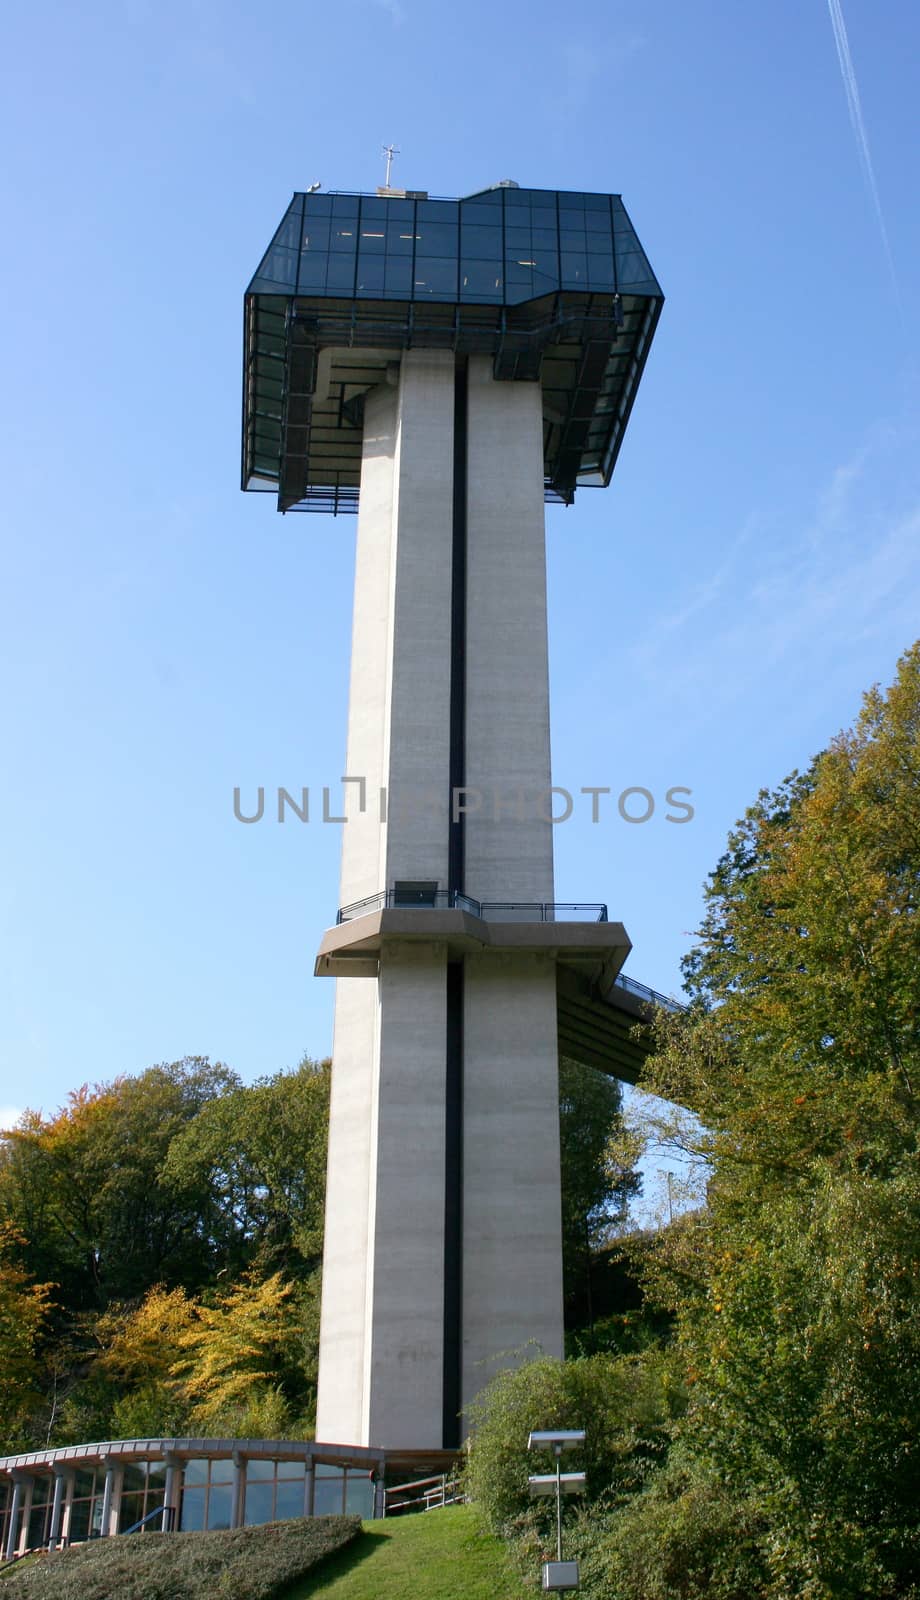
(258, 1471)
(437, 238)
(435, 277)
(340, 274)
(359, 1495)
(195, 1471)
(344, 236)
(259, 1502)
(397, 278)
(328, 1495)
(194, 1502)
(481, 242)
(481, 277)
(220, 1505)
(370, 275)
(400, 238)
(289, 1500)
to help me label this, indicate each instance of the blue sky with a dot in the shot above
(714, 615)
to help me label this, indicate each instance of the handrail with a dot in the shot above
(166, 1514)
(487, 910)
(643, 992)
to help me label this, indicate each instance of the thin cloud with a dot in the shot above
(395, 11)
(854, 106)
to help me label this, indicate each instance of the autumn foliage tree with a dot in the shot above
(796, 1288)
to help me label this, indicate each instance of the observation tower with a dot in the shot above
(443, 367)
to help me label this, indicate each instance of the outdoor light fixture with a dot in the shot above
(558, 1575)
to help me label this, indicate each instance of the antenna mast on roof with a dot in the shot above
(389, 150)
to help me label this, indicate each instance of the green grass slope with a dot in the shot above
(242, 1564)
(434, 1555)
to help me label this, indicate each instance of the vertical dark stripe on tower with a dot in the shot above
(453, 1207)
(453, 1132)
(455, 850)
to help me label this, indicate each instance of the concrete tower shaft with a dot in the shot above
(442, 1244)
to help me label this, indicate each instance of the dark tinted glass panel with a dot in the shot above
(517, 239)
(398, 275)
(344, 235)
(544, 238)
(437, 238)
(259, 1502)
(372, 239)
(546, 261)
(476, 212)
(83, 1483)
(288, 233)
(574, 266)
(133, 1478)
(480, 277)
(312, 272)
(436, 211)
(571, 219)
(596, 202)
(280, 266)
(600, 271)
(79, 1521)
(400, 238)
(597, 221)
(370, 274)
(192, 1514)
(481, 242)
(572, 238)
(399, 210)
(344, 205)
(319, 205)
(316, 236)
(517, 216)
(371, 208)
(544, 216)
(435, 277)
(220, 1507)
(340, 273)
(289, 1500)
(130, 1511)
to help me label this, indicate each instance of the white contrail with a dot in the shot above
(854, 106)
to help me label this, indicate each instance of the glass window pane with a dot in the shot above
(477, 211)
(571, 219)
(156, 1473)
(435, 277)
(398, 275)
(195, 1471)
(517, 216)
(544, 238)
(327, 1497)
(259, 1470)
(544, 216)
(130, 1511)
(547, 262)
(372, 239)
(399, 210)
(316, 236)
(259, 1506)
(359, 1495)
(340, 273)
(400, 238)
(436, 211)
(437, 238)
(222, 1471)
(481, 242)
(319, 205)
(289, 1502)
(597, 221)
(344, 205)
(600, 272)
(345, 236)
(312, 273)
(192, 1514)
(480, 277)
(370, 274)
(373, 208)
(517, 239)
(220, 1506)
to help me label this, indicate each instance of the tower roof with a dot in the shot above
(553, 285)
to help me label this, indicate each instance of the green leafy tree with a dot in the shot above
(597, 1183)
(795, 1290)
(24, 1308)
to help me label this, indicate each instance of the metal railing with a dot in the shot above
(487, 910)
(424, 1494)
(166, 1515)
(642, 992)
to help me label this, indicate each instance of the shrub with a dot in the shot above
(236, 1564)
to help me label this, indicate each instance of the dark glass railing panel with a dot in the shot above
(488, 910)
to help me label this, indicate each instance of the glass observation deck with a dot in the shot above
(552, 285)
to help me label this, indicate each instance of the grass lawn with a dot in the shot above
(239, 1564)
(432, 1555)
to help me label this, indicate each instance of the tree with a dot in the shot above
(596, 1186)
(24, 1307)
(796, 1289)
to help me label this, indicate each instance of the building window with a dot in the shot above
(143, 1490)
(207, 1494)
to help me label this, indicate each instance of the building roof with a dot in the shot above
(552, 285)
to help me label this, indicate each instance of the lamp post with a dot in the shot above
(558, 1575)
